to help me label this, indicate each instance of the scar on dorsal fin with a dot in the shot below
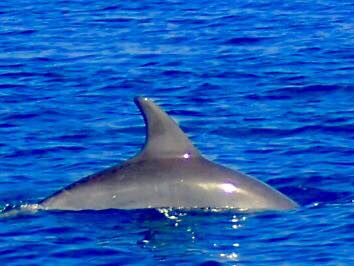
(164, 138)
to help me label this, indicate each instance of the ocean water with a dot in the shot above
(265, 87)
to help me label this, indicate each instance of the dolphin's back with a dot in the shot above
(168, 172)
(195, 183)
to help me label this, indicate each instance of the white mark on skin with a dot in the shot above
(186, 156)
(228, 188)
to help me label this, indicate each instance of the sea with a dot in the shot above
(263, 87)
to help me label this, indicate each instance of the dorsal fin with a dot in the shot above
(164, 138)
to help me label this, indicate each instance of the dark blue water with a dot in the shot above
(265, 87)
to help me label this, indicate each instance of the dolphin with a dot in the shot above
(169, 171)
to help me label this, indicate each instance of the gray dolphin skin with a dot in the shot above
(168, 172)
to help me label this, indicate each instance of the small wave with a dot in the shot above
(44, 151)
(21, 32)
(288, 93)
(176, 73)
(282, 132)
(245, 40)
(308, 90)
(20, 116)
(114, 20)
(109, 8)
(9, 210)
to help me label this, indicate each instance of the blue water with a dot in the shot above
(265, 87)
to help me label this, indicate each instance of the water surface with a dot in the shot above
(265, 87)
